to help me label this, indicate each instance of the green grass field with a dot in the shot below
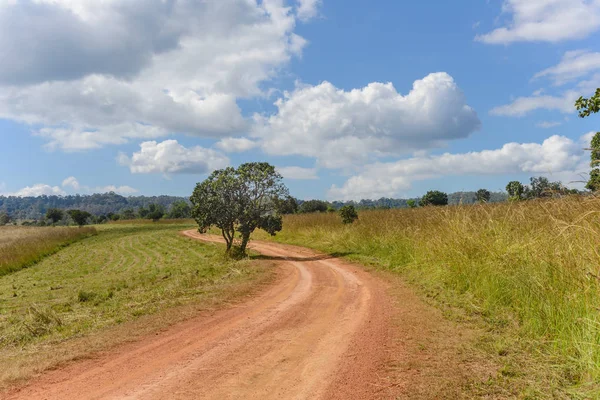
(22, 246)
(528, 273)
(124, 273)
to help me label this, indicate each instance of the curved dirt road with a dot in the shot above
(319, 332)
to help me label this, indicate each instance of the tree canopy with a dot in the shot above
(54, 214)
(79, 217)
(434, 198)
(483, 195)
(348, 214)
(240, 200)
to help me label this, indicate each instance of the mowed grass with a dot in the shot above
(122, 276)
(22, 246)
(529, 272)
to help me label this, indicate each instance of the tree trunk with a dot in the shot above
(245, 240)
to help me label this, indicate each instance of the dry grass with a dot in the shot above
(23, 246)
(530, 271)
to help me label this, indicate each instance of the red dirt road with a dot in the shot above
(321, 331)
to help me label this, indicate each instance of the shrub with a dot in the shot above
(348, 214)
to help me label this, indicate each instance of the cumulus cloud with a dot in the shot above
(342, 128)
(123, 190)
(170, 157)
(71, 182)
(308, 9)
(236, 145)
(93, 73)
(555, 155)
(574, 64)
(298, 172)
(546, 21)
(38, 189)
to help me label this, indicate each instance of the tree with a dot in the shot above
(434, 198)
(4, 219)
(411, 203)
(287, 205)
(179, 210)
(143, 212)
(79, 217)
(348, 214)
(127, 213)
(483, 195)
(54, 214)
(155, 212)
(311, 206)
(240, 200)
(586, 107)
(515, 190)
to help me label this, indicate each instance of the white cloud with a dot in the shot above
(548, 124)
(555, 156)
(342, 128)
(170, 157)
(524, 105)
(94, 73)
(574, 64)
(71, 182)
(38, 189)
(546, 20)
(308, 9)
(298, 172)
(235, 145)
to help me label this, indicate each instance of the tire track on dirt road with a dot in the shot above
(320, 331)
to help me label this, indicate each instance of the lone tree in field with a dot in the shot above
(411, 203)
(312, 206)
(287, 205)
(434, 198)
(515, 190)
(586, 107)
(240, 200)
(483, 195)
(348, 214)
(155, 212)
(79, 217)
(54, 214)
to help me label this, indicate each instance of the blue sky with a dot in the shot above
(349, 99)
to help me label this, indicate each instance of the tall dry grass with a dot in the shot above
(24, 246)
(528, 267)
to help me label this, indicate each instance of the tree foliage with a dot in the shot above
(179, 210)
(515, 190)
(586, 107)
(483, 195)
(54, 214)
(155, 212)
(79, 217)
(287, 205)
(348, 214)
(240, 200)
(4, 219)
(311, 206)
(434, 198)
(411, 203)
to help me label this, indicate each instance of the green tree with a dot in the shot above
(54, 214)
(434, 198)
(155, 212)
(79, 217)
(311, 206)
(4, 219)
(180, 210)
(348, 214)
(515, 190)
(240, 200)
(127, 214)
(586, 107)
(412, 203)
(143, 212)
(483, 195)
(287, 205)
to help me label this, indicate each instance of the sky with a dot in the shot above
(349, 99)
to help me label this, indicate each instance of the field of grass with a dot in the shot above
(528, 272)
(125, 274)
(22, 246)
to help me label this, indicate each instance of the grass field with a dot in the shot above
(23, 246)
(117, 278)
(529, 272)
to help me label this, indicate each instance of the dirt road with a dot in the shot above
(321, 331)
